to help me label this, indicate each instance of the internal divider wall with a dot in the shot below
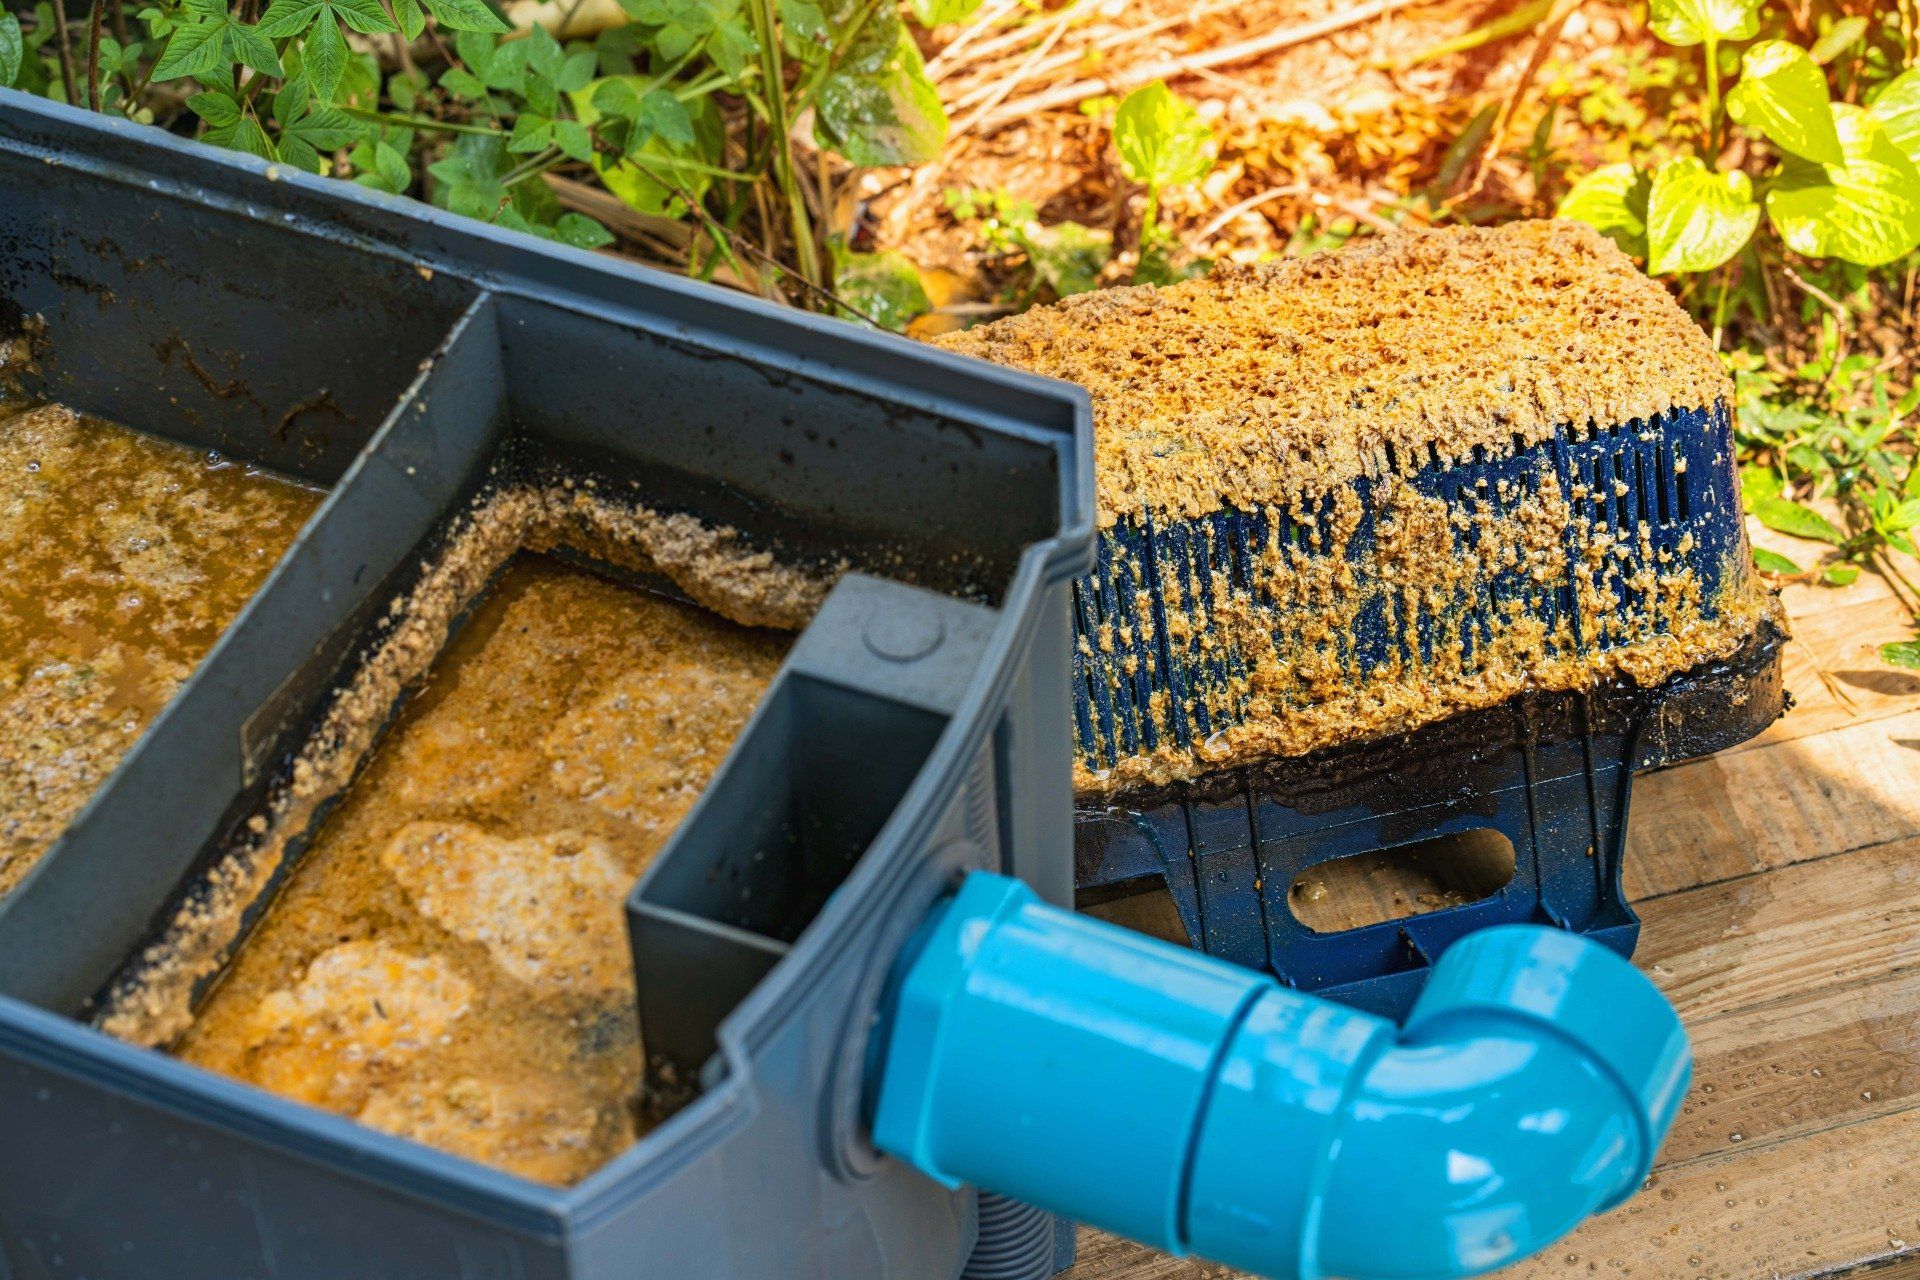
(100, 891)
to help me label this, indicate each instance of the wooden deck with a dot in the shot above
(1779, 883)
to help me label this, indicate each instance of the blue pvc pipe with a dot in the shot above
(1203, 1108)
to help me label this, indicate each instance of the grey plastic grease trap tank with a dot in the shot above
(390, 350)
(855, 947)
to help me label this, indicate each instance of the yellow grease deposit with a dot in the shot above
(1271, 382)
(125, 558)
(1272, 390)
(449, 962)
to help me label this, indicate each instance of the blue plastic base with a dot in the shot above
(1551, 772)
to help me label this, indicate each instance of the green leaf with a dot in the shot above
(463, 83)
(13, 49)
(934, 13)
(1903, 653)
(391, 165)
(643, 181)
(1613, 201)
(667, 117)
(573, 140)
(655, 114)
(1783, 515)
(249, 48)
(1162, 141)
(1773, 562)
(1904, 515)
(465, 15)
(580, 231)
(1840, 37)
(542, 96)
(1840, 575)
(193, 50)
(1696, 218)
(217, 109)
(576, 72)
(531, 132)
(878, 107)
(365, 16)
(884, 287)
(285, 18)
(244, 134)
(544, 54)
(1866, 211)
(477, 50)
(327, 128)
(324, 56)
(1897, 106)
(290, 101)
(413, 20)
(1067, 257)
(295, 150)
(405, 88)
(1783, 95)
(803, 29)
(1758, 484)
(1691, 22)
(1463, 150)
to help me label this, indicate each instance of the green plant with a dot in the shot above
(883, 289)
(1846, 183)
(1061, 259)
(1837, 434)
(1163, 143)
(687, 113)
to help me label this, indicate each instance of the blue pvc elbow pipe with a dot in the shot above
(1203, 1108)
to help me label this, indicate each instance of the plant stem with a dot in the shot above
(538, 164)
(700, 87)
(1712, 48)
(1720, 306)
(93, 54)
(806, 251)
(67, 77)
(420, 122)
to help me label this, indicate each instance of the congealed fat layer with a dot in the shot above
(1316, 398)
(1263, 383)
(125, 558)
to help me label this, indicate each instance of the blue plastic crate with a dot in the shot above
(1550, 771)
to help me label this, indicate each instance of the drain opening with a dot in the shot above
(1403, 881)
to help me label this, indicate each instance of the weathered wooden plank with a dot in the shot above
(1817, 1205)
(1834, 671)
(1824, 1204)
(1740, 812)
(1793, 1067)
(1800, 929)
(1105, 1257)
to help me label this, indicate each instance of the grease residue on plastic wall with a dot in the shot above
(125, 558)
(449, 961)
